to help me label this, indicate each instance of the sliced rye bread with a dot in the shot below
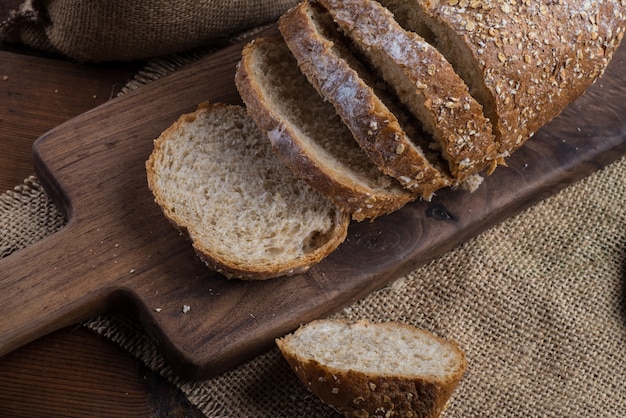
(424, 81)
(217, 179)
(523, 61)
(374, 120)
(308, 135)
(365, 369)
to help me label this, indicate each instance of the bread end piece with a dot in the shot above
(365, 369)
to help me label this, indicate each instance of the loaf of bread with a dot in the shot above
(367, 369)
(309, 136)
(216, 178)
(524, 61)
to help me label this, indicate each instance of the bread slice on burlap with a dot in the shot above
(367, 369)
(524, 61)
(308, 135)
(424, 81)
(217, 179)
(374, 120)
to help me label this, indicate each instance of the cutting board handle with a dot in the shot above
(42, 290)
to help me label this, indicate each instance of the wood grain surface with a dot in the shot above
(70, 90)
(84, 375)
(118, 252)
(72, 371)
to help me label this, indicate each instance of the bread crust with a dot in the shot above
(361, 200)
(533, 58)
(424, 80)
(358, 394)
(217, 260)
(375, 128)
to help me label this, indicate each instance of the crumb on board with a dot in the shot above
(186, 308)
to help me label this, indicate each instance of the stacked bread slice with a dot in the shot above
(377, 122)
(435, 93)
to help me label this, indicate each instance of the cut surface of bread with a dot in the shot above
(424, 81)
(216, 178)
(367, 111)
(309, 136)
(375, 369)
(524, 61)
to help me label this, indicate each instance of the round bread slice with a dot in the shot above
(365, 369)
(217, 179)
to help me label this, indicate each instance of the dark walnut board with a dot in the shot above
(118, 252)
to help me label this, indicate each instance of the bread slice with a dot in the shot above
(217, 179)
(424, 81)
(524, 61)
(309, 136)
(366, 369)
(372, 118)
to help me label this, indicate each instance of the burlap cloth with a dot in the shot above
(537, 303)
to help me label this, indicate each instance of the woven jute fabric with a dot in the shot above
(536, 302)
(105, 30)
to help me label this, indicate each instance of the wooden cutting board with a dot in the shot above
(118, 253)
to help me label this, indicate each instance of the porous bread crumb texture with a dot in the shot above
(216, 177)
(364, 369)
(374, 349)
(309, 136)
(525, 61)
(296, 101)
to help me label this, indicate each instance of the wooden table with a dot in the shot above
(83, 374)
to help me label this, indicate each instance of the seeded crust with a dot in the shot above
(339, 78)
(364, 369)
(217, 180)
(308, 135)
(525, 61)
(424, 81)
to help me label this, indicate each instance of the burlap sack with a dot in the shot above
(115, 30)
